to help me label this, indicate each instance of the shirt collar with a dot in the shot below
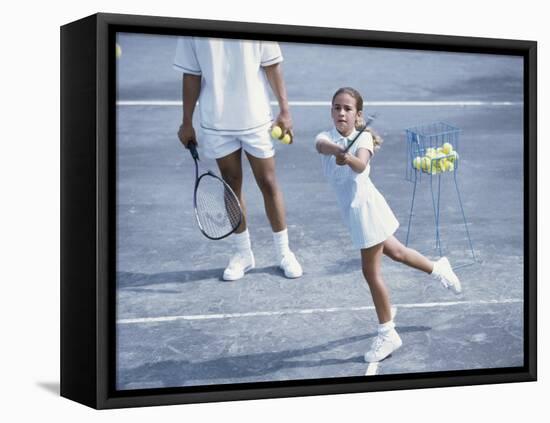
(337, 136)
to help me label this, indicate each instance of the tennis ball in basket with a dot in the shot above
(447, 148)
(443, 165)
(276, 132)
(453, 156)
(426, 163)
(417, 162)
(450, 167)
(287, 139)
(118, 50)
(430, 152)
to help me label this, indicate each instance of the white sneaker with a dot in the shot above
(446, 275)
(238, 265)
(383, 346)
(290, 266)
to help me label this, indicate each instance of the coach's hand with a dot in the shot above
(186, 134)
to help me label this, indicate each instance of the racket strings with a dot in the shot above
(218, 209)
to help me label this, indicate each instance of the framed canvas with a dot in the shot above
(408, 261)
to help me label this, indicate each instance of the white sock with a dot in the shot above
(281, 243)
(435, 270)
(384, 328)
(242, 242)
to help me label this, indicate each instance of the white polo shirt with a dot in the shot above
(234, 96)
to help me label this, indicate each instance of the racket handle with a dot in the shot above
(193, 149)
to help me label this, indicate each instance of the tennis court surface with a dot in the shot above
(179, 324)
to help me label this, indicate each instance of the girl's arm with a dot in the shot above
(328, 148)
(357, 163)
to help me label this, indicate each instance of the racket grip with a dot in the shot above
(193, 149)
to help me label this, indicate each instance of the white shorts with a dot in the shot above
(258, 144)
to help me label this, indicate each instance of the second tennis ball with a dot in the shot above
(276, 132)
(286, 139)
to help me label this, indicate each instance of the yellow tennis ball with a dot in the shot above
(286, 139)
(443, 165)
(450, 166)
(426, 163)
(447, 148)
(118, 50)
(417, 162)
(430, 152)
(276, 132)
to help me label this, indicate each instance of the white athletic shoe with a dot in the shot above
(383, 346)
(238, 265)
(290, 266)
(446, 275)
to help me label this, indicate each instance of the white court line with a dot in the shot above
(371, 370)
(178, 103)
(161, 319)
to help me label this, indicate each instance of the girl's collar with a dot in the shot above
(337, 135)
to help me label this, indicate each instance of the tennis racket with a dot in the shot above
(217, 208)
(369, 120)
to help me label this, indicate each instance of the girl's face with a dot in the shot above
(344, 113)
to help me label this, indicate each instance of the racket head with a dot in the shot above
(217, 208)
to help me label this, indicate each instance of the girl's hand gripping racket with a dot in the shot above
(217, 208)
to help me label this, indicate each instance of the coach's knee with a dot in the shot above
(267, 184)
(233, 178)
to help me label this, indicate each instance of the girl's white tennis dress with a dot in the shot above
(364, 210)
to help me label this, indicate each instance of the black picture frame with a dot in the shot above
(87, 209)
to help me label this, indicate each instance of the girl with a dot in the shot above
(367, 215)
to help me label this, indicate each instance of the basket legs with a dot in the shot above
(464, 218)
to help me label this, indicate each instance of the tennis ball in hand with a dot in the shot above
(447, 148)
(287, 139)
(118, 50)
(276, 132)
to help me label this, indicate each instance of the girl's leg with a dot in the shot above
(440, 269)
(371, 260)
(398, 252)
(387, 340)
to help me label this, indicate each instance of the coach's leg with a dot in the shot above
(243, 259)
(232, 172)
(264, 173)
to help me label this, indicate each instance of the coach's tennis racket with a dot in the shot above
(370, 118)
(217, 208)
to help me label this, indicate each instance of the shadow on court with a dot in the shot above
(170, 373)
